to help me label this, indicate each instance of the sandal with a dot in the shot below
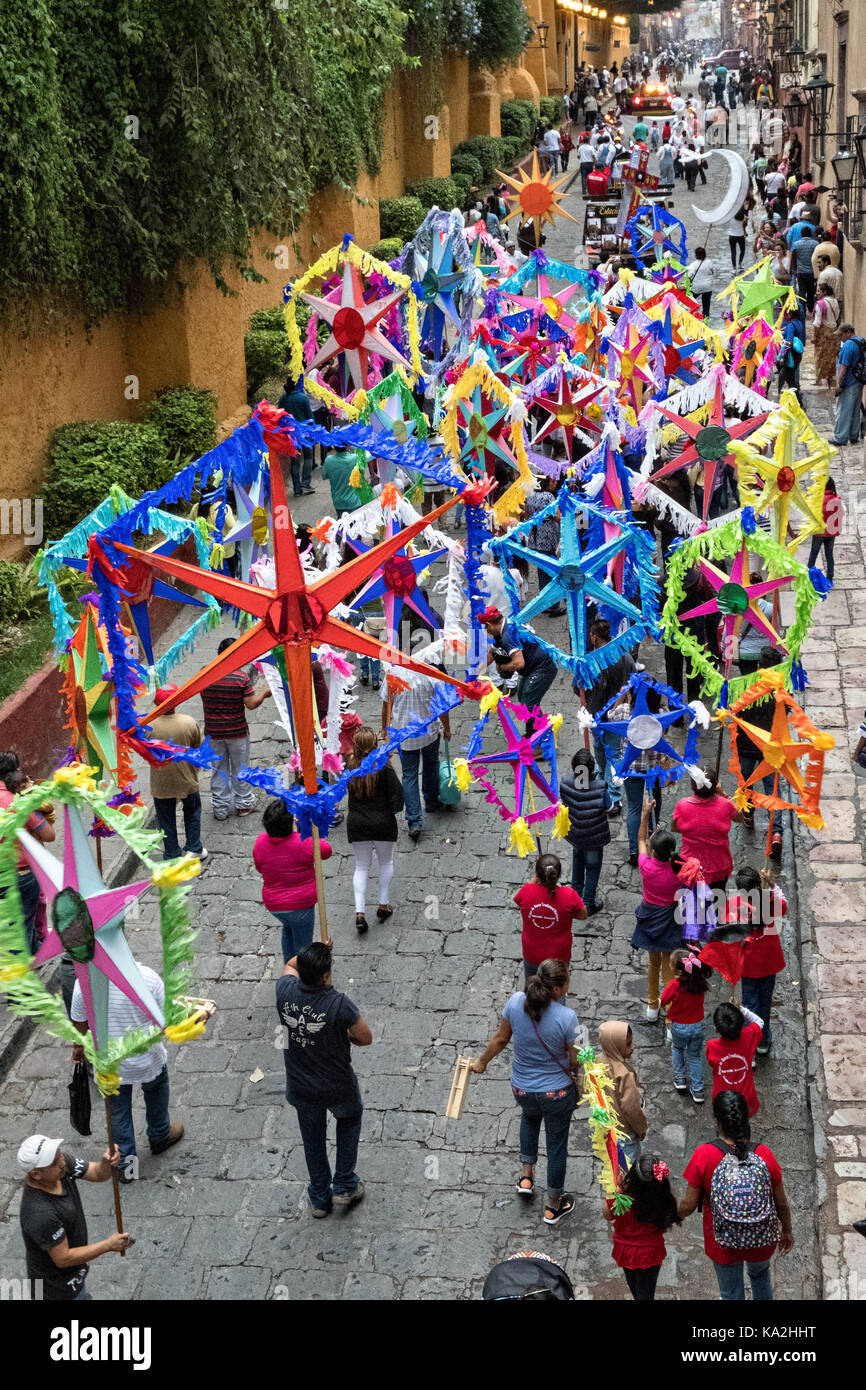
(526, 1191)
(361, 923)
(554, 1214)
(383, 913)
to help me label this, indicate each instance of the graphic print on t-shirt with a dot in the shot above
(733, 1070)
(303, 1022)
(543, 916)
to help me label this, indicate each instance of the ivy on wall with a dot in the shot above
(138, 134)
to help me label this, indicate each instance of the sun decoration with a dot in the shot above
(776, 484)
(351, 316)
(535, 197)
(733, 599)
(780, 751)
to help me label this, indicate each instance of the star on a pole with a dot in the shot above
(783, 480)
(353, 327)
(736, 600)
(398, 582)
(438, 280)
(535, 197)
(710, 443)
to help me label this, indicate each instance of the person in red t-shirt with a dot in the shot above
(683, 1002)
(762, 906)
(732, 1124)
(704, 820)
(548, 909)
(286, 864)
(831, 510)
(638, 1234)
(730, 1054)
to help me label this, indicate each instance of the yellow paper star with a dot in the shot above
(535, 197)
(775, 484)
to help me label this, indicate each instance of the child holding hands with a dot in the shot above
(683, 1001)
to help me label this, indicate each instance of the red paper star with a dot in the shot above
(353, 330)
(294, 615)
(710, 442)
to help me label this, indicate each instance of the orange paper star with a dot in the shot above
(536, 197)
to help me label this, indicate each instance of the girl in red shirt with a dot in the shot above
(683, 1001)
(704, 820)
(761, 906)
(730, 1054)
(548, 910)
(638, 1234)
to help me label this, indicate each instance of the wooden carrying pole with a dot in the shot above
(118, 1214)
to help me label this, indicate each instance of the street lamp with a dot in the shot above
(844, 167)
(795, 110)
(817, 92)
(541, 29)
(795, 58)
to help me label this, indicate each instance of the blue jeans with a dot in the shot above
(297, 930)
(156, 1110)
(635, 790)
(532, 689)
(166, 819)
(828, 543)
(301, 479)
(605, 769)
(687, 1048)
(426, 762)
(371, 669)
(748, 762)
(556, 1112)
(758, 996)
(28, 887)
(847, 424)
(586, 871)
(313, 1124)
(732, 1284)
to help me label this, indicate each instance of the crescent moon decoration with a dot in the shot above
(736, 192)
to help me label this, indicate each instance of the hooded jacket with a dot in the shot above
(613, 1038)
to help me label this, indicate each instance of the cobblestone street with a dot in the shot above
(224, 1214)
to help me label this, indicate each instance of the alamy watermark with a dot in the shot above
(22, 516)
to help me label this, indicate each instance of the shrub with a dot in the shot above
(85, 458)
(513, 148)
(484, 148)
(441, 193)
(463, 163)
(462, 183)
(388, 249)
(518, 118)
(11, 591)
(185, 417)
(400, 217)
(270, 319)
(265, 354)
(552, 112)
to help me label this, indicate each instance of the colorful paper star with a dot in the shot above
(438, 280)
(736, 602)
(353, 327)
(710, 442)
(86, 921)
(535, 197)
(645, 729)
(782, 481)
(89, 692)
(647, 231)
(550, 303)
(398, 582)
(522, 753)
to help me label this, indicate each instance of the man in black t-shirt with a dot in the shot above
(52, 1218)
(319, 1026)
(536, 670)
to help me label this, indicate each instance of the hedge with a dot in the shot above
(552, 112)
(185, 417)
(85, 458)
(388, 249)
(519, 118)
(266, 352)
(400, 217)
(440, 193)
(464, 163)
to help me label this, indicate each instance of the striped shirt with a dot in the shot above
(413, 704)
(123, 1015)
(224, 710)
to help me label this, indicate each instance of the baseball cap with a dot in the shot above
(490, 614)
(38, 1152)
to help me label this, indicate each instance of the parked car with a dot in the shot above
(728, 58)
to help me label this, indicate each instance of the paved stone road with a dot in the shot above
(224, 1215)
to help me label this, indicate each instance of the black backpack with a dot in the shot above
(528, 1275)
(858, 368)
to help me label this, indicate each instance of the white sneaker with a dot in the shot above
(651, 1014)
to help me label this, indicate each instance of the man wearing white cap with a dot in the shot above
(173, 782)
(52, 1218)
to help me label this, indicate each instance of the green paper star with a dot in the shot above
(761, 290)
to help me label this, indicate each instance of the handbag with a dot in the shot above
(552, 1055)
(79, 1099)
(449, 792)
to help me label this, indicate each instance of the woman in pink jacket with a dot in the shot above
(285, 862)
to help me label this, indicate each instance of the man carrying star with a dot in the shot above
(536, 670)
(28, 884)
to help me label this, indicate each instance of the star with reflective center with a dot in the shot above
(736, 601)
(485, 422)
(644, 730)
(649, 232)
(710, 443)
(293, 614)
(577, 577)
(545, 301)
(398, 582)
(438, 280)
(566, 411)
(89, 692)
(521, 755)
(139, 588)
(677, 352)
(86, 921)
(353, 327)
(759, 292)
(783, 480)
(535, 197)
(527, 340)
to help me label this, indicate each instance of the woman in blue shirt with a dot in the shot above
(546, 1037)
